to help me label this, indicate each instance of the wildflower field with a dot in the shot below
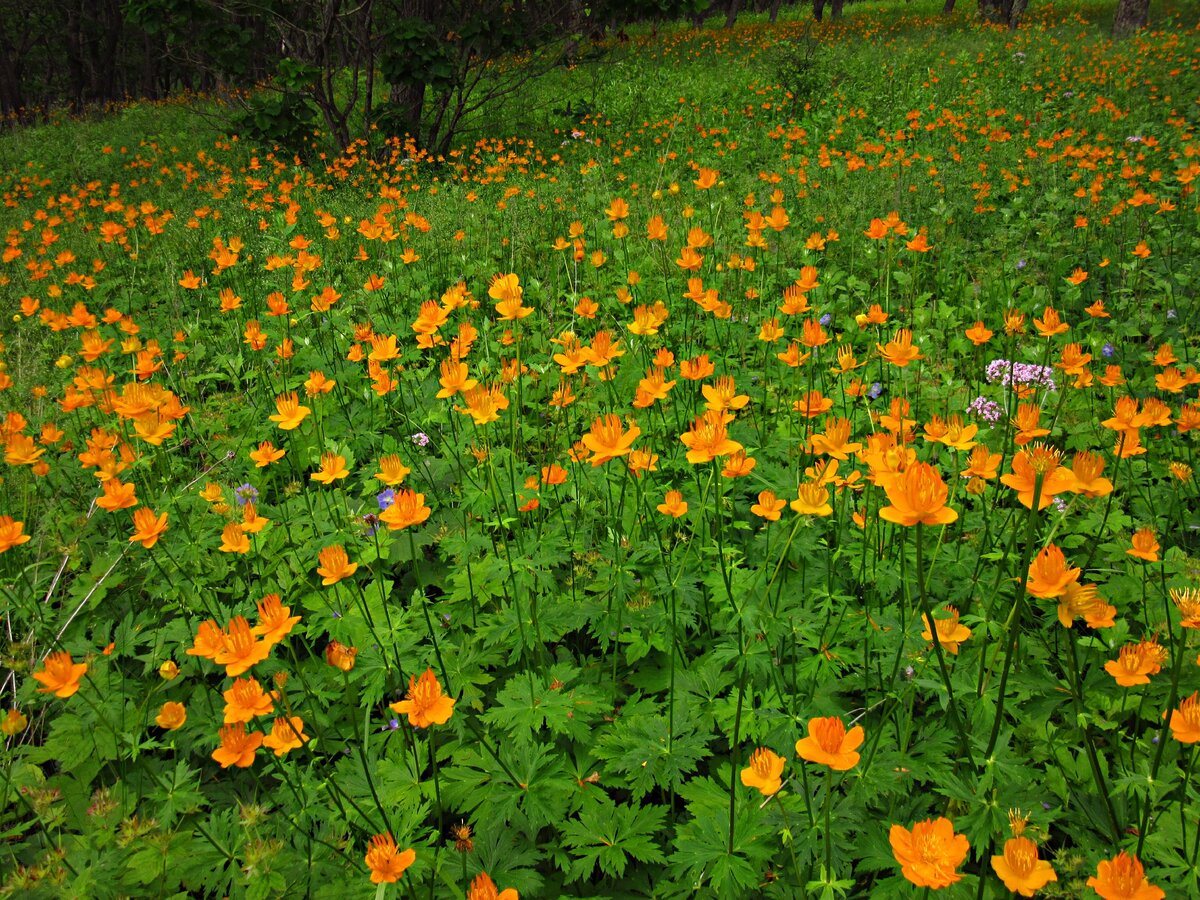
(763, 475)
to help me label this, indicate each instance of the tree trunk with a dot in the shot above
(775, 4)
(1014, 14)
(731, 12)
(948, 8)
(1131, 15)
(818, 9)
(835, 9)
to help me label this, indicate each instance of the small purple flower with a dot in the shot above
(1108, 351)
(421, 439)
(1020, 264)
(385, 498)
(1060, 504)
(246, 493)
(826, 319)
(1009, 373)
(986, 409)
(875, 391)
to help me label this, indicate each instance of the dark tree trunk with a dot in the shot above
(731, 12)
(948, 8)
(835, 9)
(775, 4)
(1131, 15)
(1015, 13)
(818, 9)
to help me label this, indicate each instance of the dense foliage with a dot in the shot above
(755, 471)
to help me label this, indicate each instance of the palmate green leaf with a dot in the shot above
(527, 704)
(608, 835)
(702, 855)
(177, 793)
(639, 749)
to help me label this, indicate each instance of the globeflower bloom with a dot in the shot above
(1185, 721)
(425, 704)
(407, 508)
(60, 675)
(930, 853)
(483, 888)
(1122, 878)
(950, 631)
(11, 533)
(289, 413)
(171, 716)
(148, 527)
(608, 439)
(386, 861)
(237, 747)
(830, 744)
(764, 771)
(1049, 574)
(917, 496)
(334, 565)
(1020, 868)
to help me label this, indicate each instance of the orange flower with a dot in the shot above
(274, 621)
(237, 747)
(1187, 601)
(386, 862)
(608, 439)
(425, 703)
(1136, 663)
(245, 700)
(900, 351)
(11, 533)
(1085, 470)
(1050, 323)
(171, 716)
(707, 438)
(234, 540)
(1122, 878)
(673, 505)
(1145, 545)
(764, 771)
(1185, 721)
(392, 470)
(1078, 276)
(407, 508)
(930, 853)
(1026, 466)
(117, 495)
(830, 744)
(240, 650)
(507, 291)
(483, 888)
(812, 499)
(1084, 600)
(950, 632)
(1020, 868)
(333, 467)
(768, 506)
(60, 675)
(334, 565)
(266, 454)
(209, 641)
(340, 656)
(1049, 575)
(286, 734)
(290, 413)
(147, 527)
(917, 495)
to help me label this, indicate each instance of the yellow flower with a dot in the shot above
(764, 771)
(171, 716)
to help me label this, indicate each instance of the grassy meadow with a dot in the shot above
(758, 463)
